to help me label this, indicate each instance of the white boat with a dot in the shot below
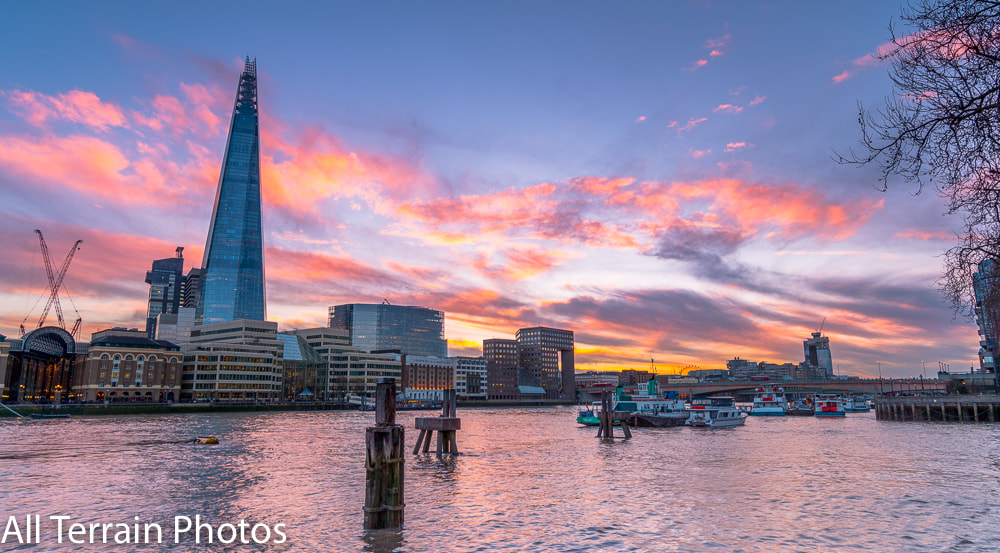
(769, 400)
(829, 405)
(856, 404)
(714, 412)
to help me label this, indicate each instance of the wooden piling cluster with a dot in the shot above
(955, 408)
(384, 459)
(445, 425)
(608, 418)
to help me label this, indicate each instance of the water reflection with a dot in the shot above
(527, 479)
(383, 541)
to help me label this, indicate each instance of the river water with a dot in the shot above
(528, 479)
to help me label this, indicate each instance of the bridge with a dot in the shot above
(746, 388)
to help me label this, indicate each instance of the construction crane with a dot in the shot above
(821, 326)
(55, 282)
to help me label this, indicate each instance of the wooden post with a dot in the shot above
(384, 462)
(445, 425)
(992, 416)
(928, 405)
(975, 412)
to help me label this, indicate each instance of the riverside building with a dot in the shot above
(351, 371)
(127, 366)
(501, 368)
(540, 358)
(233, 362)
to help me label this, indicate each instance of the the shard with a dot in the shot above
(232, 282)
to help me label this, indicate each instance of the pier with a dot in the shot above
(952, 408)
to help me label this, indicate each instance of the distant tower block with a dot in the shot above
(446, 425)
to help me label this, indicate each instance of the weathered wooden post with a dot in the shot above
(446, 425)
(384, 462)
(607, 419)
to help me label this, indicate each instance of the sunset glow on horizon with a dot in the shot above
(656, 177)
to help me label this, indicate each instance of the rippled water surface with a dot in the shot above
(528, 480)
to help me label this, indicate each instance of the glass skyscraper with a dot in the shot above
(411, 330)
(232, 279)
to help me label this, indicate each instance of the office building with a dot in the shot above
(351, 372)
(176, 327)
(547, 360)
(471, 381)
(501, 368)
(817, 353)
(304, 371)
(384, 327)
(165, 280)
(232, 270)
(233, 362)
(191, 288)
(987, 312)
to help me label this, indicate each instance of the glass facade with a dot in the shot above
(232, 279)
(411, 330)
(164, 280)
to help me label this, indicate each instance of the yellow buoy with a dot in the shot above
(206, 440)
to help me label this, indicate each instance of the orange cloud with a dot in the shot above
(924, 235)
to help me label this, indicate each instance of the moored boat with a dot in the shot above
(856, 404)
(648, 407)
(714, 412)
(769, 400)
(800, 408)
(829, 405)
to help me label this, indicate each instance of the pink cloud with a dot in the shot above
(692, 123)
(841, 77)
(640, 118)
(757, 100)
(698, 154)
(718, 42)
(728, 108)
(734, 146)
(76, 106)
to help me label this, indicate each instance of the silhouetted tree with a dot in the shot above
(941, 125)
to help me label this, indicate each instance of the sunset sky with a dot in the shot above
(655, 176)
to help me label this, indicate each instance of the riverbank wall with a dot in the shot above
(952, 408)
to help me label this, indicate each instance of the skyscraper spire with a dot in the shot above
(232, 278)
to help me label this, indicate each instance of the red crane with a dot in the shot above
(55, 282)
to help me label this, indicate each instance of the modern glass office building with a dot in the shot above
(374, 327)
(165, 280)
(232, 279)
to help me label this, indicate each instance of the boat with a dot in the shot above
(856, 404)
(648, 407)
(829, 405)
(800, 408)
(590, 416)
(769, 400)
(714, 412)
